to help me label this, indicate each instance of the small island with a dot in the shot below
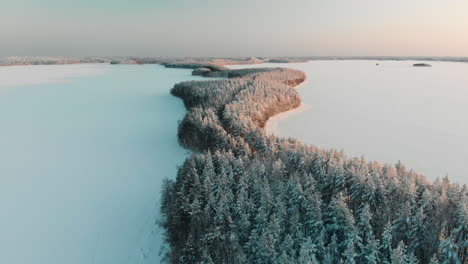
(421, 65)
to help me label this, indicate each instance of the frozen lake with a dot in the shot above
(83, 152)
(386, 112)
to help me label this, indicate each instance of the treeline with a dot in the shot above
(188, 62)
(194, 65)
(244, 197)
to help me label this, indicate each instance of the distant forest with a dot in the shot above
(195, 63)
(245, 197)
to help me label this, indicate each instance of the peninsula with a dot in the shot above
(245, 197)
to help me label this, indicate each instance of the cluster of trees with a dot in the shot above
(205, 93)
(194, 65)
(230, 113)
(244, 197)
(315, 208)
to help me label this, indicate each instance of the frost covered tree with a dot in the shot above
(244, 197)
(448, 251)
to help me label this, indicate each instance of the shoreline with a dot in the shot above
(271, 125)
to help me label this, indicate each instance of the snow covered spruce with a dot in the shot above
(243, 197)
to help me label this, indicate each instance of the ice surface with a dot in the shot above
(39, 74)
(83, 152)
(387, 112)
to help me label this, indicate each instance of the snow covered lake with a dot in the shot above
(83, 152)
(387, 112)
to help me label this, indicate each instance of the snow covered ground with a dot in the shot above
(83, 152)
(387, 112)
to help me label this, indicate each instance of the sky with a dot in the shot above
(233, 28)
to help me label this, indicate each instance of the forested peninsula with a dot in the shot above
(245, 197)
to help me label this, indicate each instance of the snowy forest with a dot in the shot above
(245, 197)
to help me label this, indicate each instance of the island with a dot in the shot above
(421, 65)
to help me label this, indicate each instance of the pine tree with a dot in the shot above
(189, 253)
(434, 260)
(206, 258)
(386, 246)
(418, 234)
(311, 205)
(460, 233)
(349, 254)
(287, 251)
(402, 224)
(319, 242)
(331, 254)
(340, 221)
(399, 254)
(367, 245)
(284, 258)
(295, 228)
(307, 253)
(313, 223)
(448, 251)
(412, 259)
(207, 178)
(242, 209)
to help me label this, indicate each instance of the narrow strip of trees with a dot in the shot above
(244, 197)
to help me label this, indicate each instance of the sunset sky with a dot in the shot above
(234, 28)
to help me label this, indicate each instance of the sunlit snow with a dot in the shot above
(387, 112)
